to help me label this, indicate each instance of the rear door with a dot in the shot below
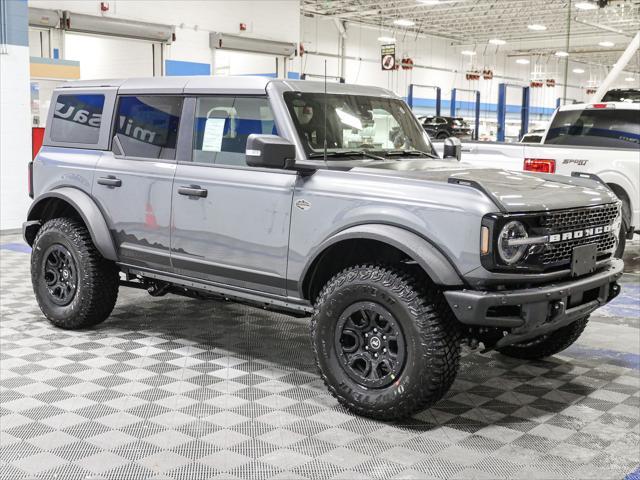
(133, 181)
(231, 221)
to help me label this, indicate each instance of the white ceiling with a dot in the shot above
(472, 23)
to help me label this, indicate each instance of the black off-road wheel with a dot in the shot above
(547, 345)
(442, 135)
(74, 285)
(385, 348)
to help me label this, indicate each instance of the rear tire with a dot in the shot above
(366, 311)
(74, 285)
(442, 135)
(547, 345)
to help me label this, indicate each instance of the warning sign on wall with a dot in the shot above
(388, 57)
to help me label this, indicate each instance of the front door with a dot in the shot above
(133, 181)
(231, 221)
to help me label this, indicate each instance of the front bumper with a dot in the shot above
(529, 313)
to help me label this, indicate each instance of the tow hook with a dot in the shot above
(614, 291)
(557, 308)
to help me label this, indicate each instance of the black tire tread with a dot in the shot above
(554, 343)
(438, 327)
(99, 276)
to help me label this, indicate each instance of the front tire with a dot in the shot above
(74, 285)
(384, 348)
(547, 345)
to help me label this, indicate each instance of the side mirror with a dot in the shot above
(452, 148)
(270, 151)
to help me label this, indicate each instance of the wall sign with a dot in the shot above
(388, 56)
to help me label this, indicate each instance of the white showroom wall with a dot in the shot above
(15, 140)
(275, 20)
(108, 57)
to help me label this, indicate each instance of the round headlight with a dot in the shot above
(510, 254)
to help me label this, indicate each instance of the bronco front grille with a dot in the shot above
(559, 254)
(563, 220)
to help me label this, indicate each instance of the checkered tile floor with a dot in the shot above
(187, 389)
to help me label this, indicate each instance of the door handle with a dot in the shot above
(110, 181)
(193, 191)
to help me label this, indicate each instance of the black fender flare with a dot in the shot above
(86, 208)
(432, 260)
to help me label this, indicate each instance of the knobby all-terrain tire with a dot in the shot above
(430, 331)
(548, 344)
(97, 278)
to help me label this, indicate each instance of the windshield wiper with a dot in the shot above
(420, 153)
(348, 153)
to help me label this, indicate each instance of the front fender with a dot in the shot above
(432, 261)
(86, 208)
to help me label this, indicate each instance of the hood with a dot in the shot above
(511, 191)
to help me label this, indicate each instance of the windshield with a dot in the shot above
(596, 128)
(356, 124)
(630, 96)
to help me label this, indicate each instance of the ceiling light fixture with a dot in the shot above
(629, 79)
(606, 44)
(523, 61)
(536, 27)
(403, 22)
(468, 53)
(578, 70)
(586, 6)
(387, 39)
(560, 53)
(497, 41)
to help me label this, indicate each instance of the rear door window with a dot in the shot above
(606, 128)
(147, 125)
(77, 119)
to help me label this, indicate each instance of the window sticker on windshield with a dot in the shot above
(213, 133)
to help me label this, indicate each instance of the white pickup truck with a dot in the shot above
(601, 139)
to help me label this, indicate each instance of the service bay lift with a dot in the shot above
(454, 92)
(502, 110)
(411, 98)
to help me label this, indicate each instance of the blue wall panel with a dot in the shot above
(176, 67)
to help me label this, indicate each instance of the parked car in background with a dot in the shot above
(629, 95)
(601, 139)
(445, 127)
(533, 136)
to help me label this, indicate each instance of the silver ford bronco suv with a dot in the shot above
(314, 199)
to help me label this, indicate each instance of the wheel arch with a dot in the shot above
(69, 201)
(390, 239)
(622, 194)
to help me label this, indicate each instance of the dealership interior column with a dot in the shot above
(15, 144)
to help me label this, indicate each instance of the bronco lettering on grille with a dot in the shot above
(585, 232)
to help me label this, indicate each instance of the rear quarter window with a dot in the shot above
(606, 128)
(77, 119)
(147, 125)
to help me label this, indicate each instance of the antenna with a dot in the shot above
(325, 111)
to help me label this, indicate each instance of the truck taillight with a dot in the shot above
(602, 105)
(30, 179)
(540, 165)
